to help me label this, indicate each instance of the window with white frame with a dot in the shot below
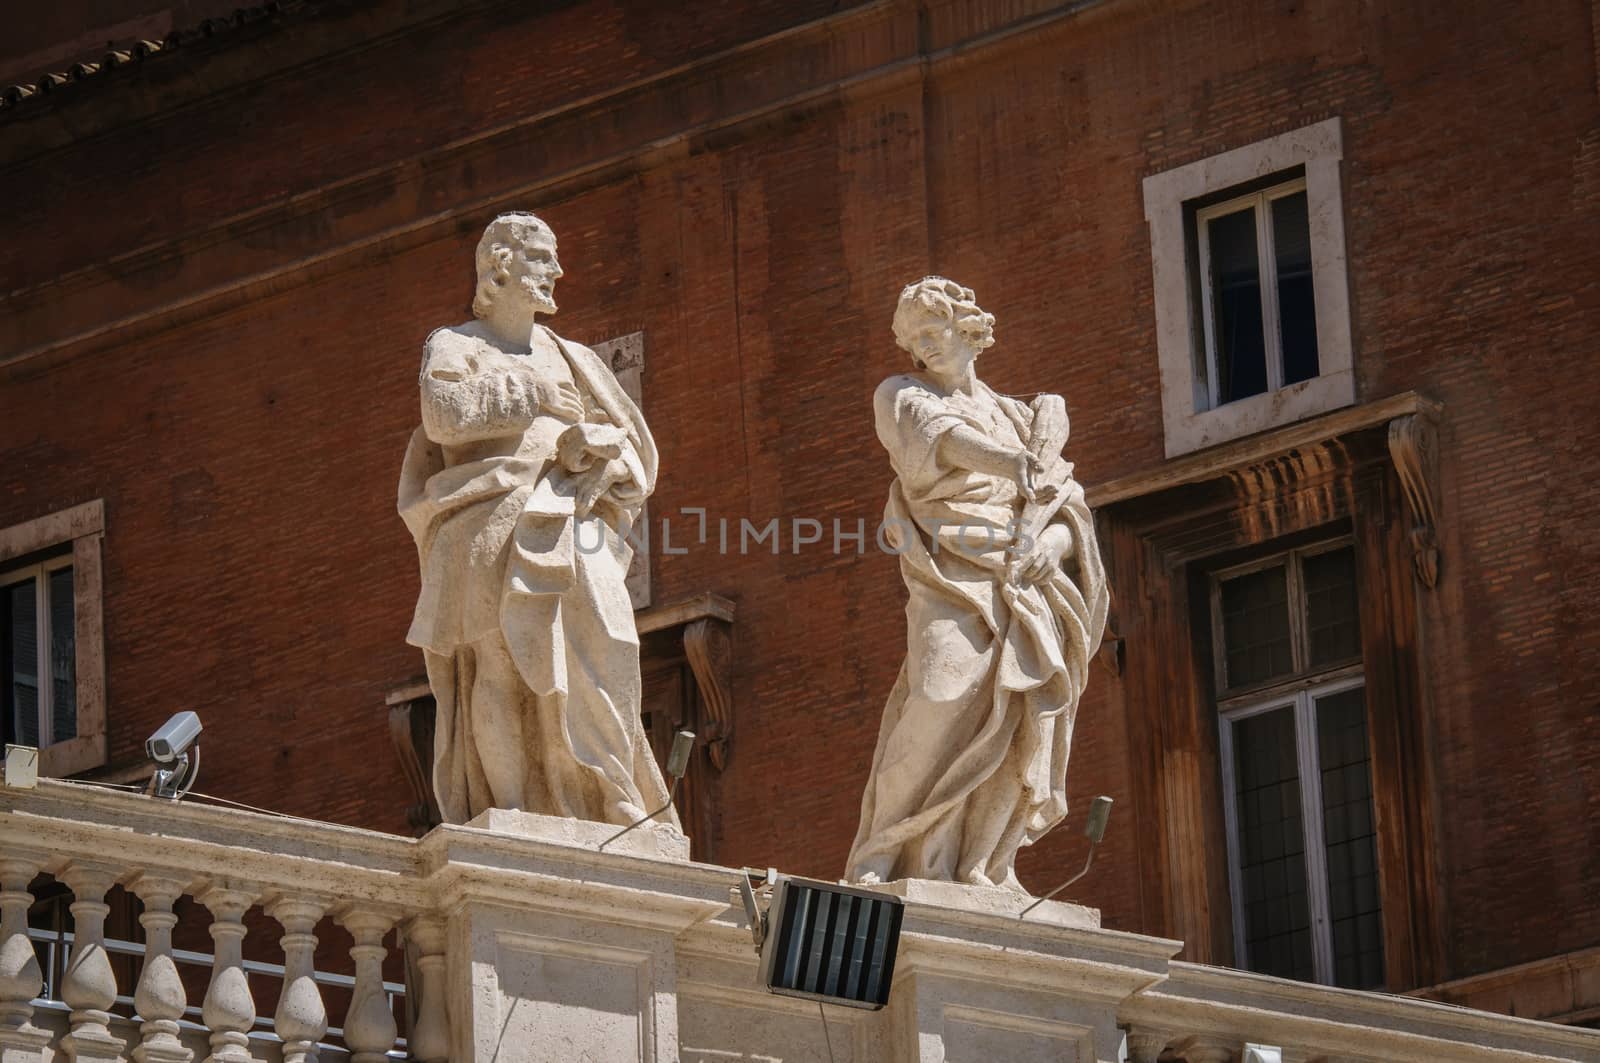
(38, 655)
(1296, 771)
(1251, 297)
(52, 670)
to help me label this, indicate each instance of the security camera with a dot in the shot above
(173, 739)
(171, 746)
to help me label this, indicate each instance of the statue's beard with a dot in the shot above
(540, 302)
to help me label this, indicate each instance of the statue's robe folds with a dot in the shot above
(524, 619)
(971, 758)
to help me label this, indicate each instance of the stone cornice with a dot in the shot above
(1217, 462)
(1378, 1026)
(207, 842)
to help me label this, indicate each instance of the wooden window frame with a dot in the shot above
(1299, 647)
(1162, 533)
(81, 529)
(1260, 203)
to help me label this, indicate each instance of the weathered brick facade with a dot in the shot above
(223, 262)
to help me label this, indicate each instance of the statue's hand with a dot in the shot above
(1025, 471)
(556, 398)
(1053, 546)
(582, 444)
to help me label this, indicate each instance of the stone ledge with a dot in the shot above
(659, 840)
(989, 900)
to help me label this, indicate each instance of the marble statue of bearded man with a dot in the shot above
(1007, 605)
(518, 488)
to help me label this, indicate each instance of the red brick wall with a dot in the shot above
(256, 571)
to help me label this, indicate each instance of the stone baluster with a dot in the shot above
(159, 998)
(20, 978)
(301, 1019)
(1145, 1044)
(1207, 1048)
(369, 1026)
(429, 1040)
(89, 985)
(229, 1009)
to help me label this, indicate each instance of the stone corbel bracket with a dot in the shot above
(708, 644)
(1414, 448)
(411, 730)
(706, 622)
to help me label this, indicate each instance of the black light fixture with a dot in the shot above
(677, 767)
(1095, 830)
(824, 941)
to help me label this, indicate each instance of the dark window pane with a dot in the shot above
(1276, 917)
(1297, 312)
(1353, 905)
(22, 660)
(1332, 626)
(1255, 627)
(1236, 306)
(63, 658)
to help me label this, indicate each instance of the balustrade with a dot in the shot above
(229, 1009)
(89, 986)
(369, 1027)
(160, 997)
(20, 977)
(635, 930)
(429, 1040)
(301, 1020)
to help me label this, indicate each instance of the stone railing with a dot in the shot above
(527, 942)
(90, 839)
(54, 950)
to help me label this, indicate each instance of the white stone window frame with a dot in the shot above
(1191, 420)
(83, 528)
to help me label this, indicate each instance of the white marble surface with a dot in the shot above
(519, 486)
(1008, 603)
(990, 900)
(554, 951)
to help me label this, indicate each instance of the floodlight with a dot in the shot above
(1095, 829)
(677, 767)
(825, 941)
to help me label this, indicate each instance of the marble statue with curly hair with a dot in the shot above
(1008, 602)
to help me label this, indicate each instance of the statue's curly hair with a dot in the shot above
(495, 251)
(941, 298)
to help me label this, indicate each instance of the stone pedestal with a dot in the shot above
(975, 982)
(651, 839)
(560, 951)
(991, 900)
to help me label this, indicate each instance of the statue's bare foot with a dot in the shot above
(626, 812)
(1012, 883)
(870, 879)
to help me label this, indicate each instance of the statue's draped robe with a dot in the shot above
(526, 625)
(971, 757)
